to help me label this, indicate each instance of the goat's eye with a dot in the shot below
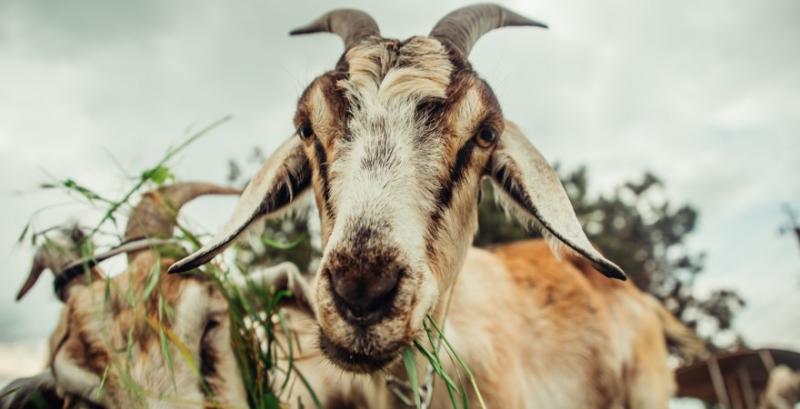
(305, 131)
(486, 136)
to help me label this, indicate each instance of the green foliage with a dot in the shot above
(159, 175)
(431, 353)
(411, 371)
(258, 343)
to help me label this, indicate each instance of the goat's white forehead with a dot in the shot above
(385, 84)
(385, 71)
(381, 173)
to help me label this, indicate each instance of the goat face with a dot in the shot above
(393, 142)
(397, 142)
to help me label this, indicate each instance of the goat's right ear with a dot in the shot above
(284, 177)
(532, 190)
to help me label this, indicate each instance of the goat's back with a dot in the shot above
(560, 334)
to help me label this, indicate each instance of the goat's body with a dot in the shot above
(537, 332)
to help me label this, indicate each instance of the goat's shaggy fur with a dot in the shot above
(143, 338)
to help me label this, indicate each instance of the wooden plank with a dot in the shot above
(718, 382)
(747, 387)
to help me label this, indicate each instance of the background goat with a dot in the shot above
(392, 143)
(108, 349)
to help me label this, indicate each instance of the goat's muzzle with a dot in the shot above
(364, 286)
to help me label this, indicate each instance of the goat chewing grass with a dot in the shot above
(261, 340)
(391, 144)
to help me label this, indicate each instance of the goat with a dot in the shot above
(392, 144)
(105, 350)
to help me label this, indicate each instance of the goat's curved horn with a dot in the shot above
(53, 255)
(349, 24)
(460, 29)
(155, 215)
(43, 259)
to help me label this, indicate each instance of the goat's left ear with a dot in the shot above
(284, 177)
(531, 188)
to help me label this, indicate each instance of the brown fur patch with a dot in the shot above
(105, 326)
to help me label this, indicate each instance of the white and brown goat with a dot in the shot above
(393, 143)
(106, 349)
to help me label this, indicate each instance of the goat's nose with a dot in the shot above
(364, 297)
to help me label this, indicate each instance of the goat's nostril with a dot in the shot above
(365, 294)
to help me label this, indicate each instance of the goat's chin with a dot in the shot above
(365, 349)
(360, 362)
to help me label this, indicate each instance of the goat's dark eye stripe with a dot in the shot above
(457, 172)
(321, 160)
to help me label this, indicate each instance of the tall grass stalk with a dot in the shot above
(436, 340)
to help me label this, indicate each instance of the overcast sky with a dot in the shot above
(705, 94)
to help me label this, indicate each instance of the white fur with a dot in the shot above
(73, 379)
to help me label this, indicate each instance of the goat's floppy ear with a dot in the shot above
(530, 187)
(280, 181)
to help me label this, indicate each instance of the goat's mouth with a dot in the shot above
(358, 361)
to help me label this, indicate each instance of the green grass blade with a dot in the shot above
(152, 282)
(162, 338)
(290, 354)
(114, 206)
(309, 388)
(22, 235)
(411, 369)
(460, 361)
(439, 369)
(102, 386)
(283, 246)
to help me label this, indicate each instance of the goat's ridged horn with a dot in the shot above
(156, 213)
(463, 27)
(349, 24)
(51, 256)
(54, 255)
